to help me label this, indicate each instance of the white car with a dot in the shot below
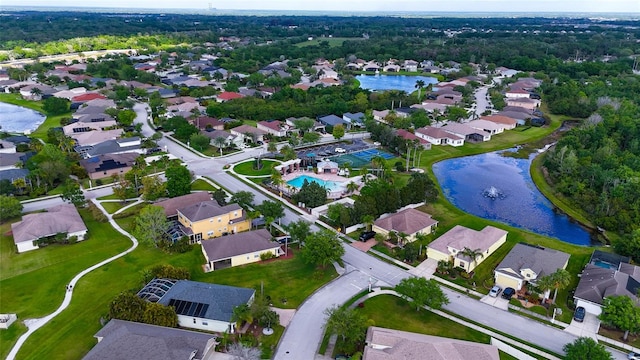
(495, 291)
(339, 150)
(376, 143)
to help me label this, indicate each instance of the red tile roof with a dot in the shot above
(87, 97)
(229, 95)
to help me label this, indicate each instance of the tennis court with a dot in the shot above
(361, 158)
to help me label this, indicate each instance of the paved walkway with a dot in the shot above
(35, 324)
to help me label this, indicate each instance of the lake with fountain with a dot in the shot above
(405, 83)
(17, 119)
(497, 187)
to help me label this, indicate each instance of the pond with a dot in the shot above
(17, 119)
(500, 188)
(393, 82)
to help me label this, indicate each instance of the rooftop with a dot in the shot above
(172, 205)
(58, 219)
(460, 237)
(228, 246)
(408, 221)
(540, 260)
(207, 209)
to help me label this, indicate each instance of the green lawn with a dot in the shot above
(246, 168)
(201, 185)
(112, 207)
(49, 122)
(392, 312)
(333, 42)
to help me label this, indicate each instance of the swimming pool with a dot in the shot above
(329, 185)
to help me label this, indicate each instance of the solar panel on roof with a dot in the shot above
(189, 308)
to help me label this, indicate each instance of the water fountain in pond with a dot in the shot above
(493, 193)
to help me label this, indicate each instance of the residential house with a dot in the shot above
(408, 221)
(107, 165)
(438, 136)
(90, 138)
(391, 68)
(448, 247)
(275, 127)
(389, 344)
(467, 132)
(317, 126)
(520, 117)
(98, 117)
(86, 97)
(207, 220)
(71, 93)
(7, 147)
(516, 93)
(527, 263)
(238, 249)
(431, 106)
(530, 104)
(172, 205)
(606, 274)
(230, 140)
(410, 65)
(119, 146)
(120, 339)
(488, 126)
(11, 160)
(202, 306)
(507, 122)
(371, 66)
(206, 123)
(355, 119)
(333, 120)
(81, 126)
(61, 219)
(380, 115)
(407, 135)
(14, 174)
(248, 133)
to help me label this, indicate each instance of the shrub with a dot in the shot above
(266, 256)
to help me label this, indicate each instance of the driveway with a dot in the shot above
(589, 327)
(425, 269)
(497, 301)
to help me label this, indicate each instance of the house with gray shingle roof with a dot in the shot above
(389, 344)
(121, 339)
(118, 146)
(199, 305)
(598, 282)
(238, 249)
(333, 120)
(172, 205)
(61, 219)
(527, 263)
(408, 221)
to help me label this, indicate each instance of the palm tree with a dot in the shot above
(368, 220)
(36, 92)
(252, 215)
(402, 238)
(472, 254)
(560, 279)
(378, 162)
(352, 187)
(545, 284)
(272, 147)
(419, 86)
(220, 142)
(276, 178)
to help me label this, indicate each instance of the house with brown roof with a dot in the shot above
(248, 133)
(275, 127)
(230, 140)
(448, 246)
(207, 123)
(438, 136)
(107, 165)
(516, 93)
(408, 221)
(61, 219)
(507, 122)
(467, 132)
(530, 104)
(172, 205)
(238, 249)
(407, 135)
(488, 126)
(389, 344)
(207, 220)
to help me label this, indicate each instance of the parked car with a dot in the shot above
(633, 356)
(495, 291)
(579, 314)
(284, 239)
(376, 143)
(259, 143)
(339, 150)
(367, 235)
(508, 293)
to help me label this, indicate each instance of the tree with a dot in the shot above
(311, 194)
(165, 271)
(352, 187)
(419, 85)
(178, 180)
(299, 230)
(243, 198)
(560, 279)
(322, 248)
(121, 188)
(55, 106)
(271, 209)
(160, 315)
(9, 207)
(7, 187)
(72, 193)
(153, 188)
(586, 348)
(220, 142)
(240, 351)
(368, 220)
(151, 225)
(338, 131)
(126, 117)
(242, 313)
(422, 292)
(472, 254)
(199, 142)
(127, 306)
(621, 312)
(545, 284)
(311, 137)
(220, 196)
(347, 323)
(340, 214)
(304, 124)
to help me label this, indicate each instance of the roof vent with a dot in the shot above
(193, 354)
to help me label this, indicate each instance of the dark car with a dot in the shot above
(367, 235)
(579, 314)
(633, 356)
(508, 293)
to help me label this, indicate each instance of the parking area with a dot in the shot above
(498, 302)
(321, 151)
(589, 327)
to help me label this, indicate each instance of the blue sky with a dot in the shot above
(620, 6)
